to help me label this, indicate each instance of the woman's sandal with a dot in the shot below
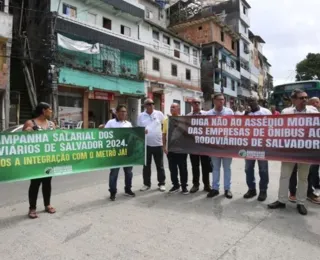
(50, 210)
(32, 214)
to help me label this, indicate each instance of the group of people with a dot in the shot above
(156, 130)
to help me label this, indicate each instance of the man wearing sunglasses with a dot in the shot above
(197, 159)
(300, 107)
(152, 120)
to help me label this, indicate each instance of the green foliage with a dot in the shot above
(309, 68)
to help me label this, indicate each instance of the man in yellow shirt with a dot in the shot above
(176, 160)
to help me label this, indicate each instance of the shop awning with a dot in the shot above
(77, 78)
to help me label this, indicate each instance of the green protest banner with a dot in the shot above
(31, 155)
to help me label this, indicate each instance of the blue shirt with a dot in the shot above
(224, 112)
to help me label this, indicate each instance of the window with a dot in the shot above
(108, 66)
(195, 53)
(224, 58)
(125, 30)
(222, 36)
(232, 64)
(233, 45)
(166, 39)
(174, 70)
(156, 64)
(177, 54)
(224, 81)
(245, 10)
(186, 50)
(188, 74)
(92, 18)
(107, 23)
(69, 10)
(246, 48)
(155, 35)
(233, 85)
(200, 28)
(149, 14)
(187, 108)
(177, 45)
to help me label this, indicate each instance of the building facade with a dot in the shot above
(93, 54)
(219, 65)
(171, 67)
(5, 53)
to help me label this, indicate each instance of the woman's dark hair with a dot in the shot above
(119, 107)
(40, 107)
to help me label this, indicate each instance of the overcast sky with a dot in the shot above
(290, 29)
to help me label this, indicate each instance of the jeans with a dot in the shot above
(205, 167)
(313, 180)
(216, 164)
(286, 172)
(263, 172)
(34, 190)
(157, 153)
(176, 161)
(113, 178)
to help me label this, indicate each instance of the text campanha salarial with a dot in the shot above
(30, 143)
(294, 132)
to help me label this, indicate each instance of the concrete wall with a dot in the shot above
(154, 13)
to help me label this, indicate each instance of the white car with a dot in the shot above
(13, 129)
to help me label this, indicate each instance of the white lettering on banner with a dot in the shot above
(19, 149)
(267, 122)
(304, 121)
(293, 144)
(80, 146)
(23, 139)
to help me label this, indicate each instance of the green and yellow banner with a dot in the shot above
(31, 155)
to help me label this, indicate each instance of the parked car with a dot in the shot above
(13, 129)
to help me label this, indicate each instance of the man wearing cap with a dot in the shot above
(257, 110)
(152, 120)
(196, 159)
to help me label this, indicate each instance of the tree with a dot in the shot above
(309, 68)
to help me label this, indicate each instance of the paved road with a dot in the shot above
(154, 225)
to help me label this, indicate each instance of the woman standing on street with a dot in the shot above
(41, 122)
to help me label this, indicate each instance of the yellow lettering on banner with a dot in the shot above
(123, 152)
(5, 162)
(79, 156)
(106, 153)
(17, 162)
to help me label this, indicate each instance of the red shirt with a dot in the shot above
(276, 113)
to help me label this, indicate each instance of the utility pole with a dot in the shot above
(53, 71)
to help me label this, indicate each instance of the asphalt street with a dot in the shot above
(154, 225)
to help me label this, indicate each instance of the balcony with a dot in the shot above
(245, 18)
(6, 25)
(127, 6)
(245, 73)
(241, 91)
(254, 78)
(232, 71)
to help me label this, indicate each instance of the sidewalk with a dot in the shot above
(160, 226)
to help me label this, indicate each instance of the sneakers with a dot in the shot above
(185, 191)
(112, 196)
(194, 189)
(314, 198)
(162, 188)
(292, 198)
(129, 193)
(174, 190)
(250, 194)
(228, 194)
(262, 196)
(145, 188)
(213, 193)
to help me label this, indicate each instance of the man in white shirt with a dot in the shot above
(119, 122)
(257, 110)
(152, 120)
(220, 110)
(240, 111)
(300, 107)
(197, 159)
